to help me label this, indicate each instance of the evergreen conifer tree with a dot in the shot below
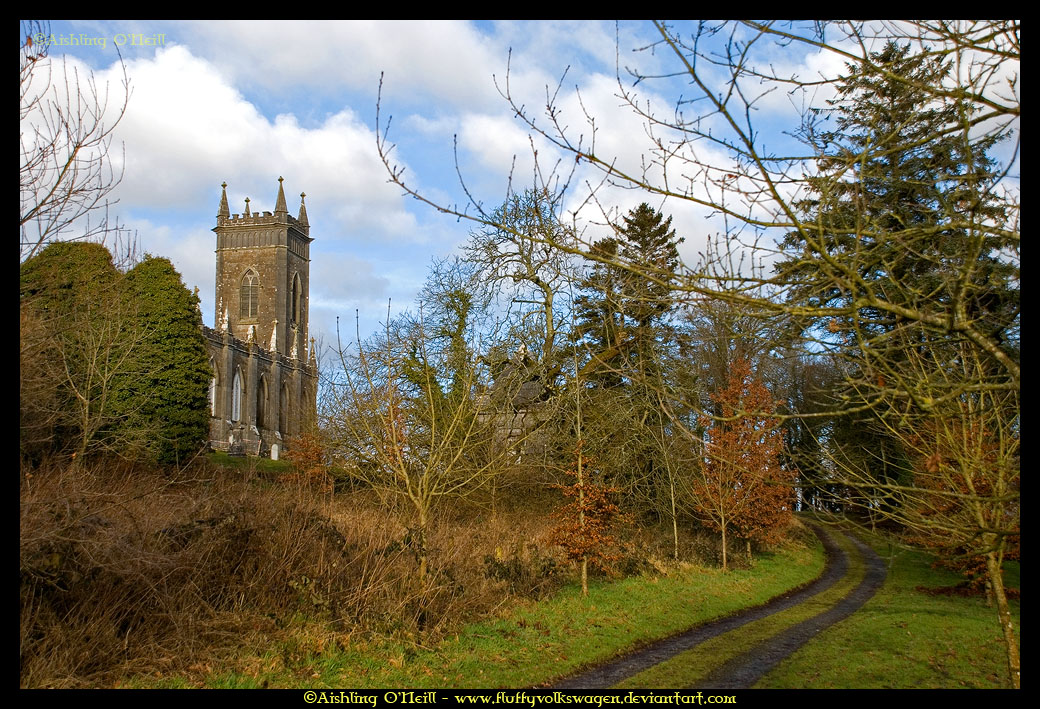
(895, 212)
(649, 240)
(600, 327)
(892, 226)
(175, 375)
(905, 238)
(623, 331)
(622, 314)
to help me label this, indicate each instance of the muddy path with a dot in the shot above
(744, 670)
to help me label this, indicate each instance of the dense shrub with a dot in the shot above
(71, 348)
(175, 375)
(125, 570)
(110, 362)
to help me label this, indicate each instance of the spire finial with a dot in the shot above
(279, 205)
(247, 206)
(303, 211)
(222, 210)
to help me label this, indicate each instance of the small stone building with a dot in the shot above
(517, 406)
(264, 387)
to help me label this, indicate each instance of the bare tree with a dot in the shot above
(82, 353)
(66, 171)
(522, 261)
(406, 415)
(959, 495)
(755, 192)
(98, 352)
(814, 205)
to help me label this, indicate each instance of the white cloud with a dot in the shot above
(186, 130)
(448, 60)
(348, 280)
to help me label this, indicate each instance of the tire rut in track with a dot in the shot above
(611, 673)
(745, 670)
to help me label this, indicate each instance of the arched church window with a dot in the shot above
(249, 299)
(261, 403)
(283, 411)
(297, 293)
(236, 397)
(213, 391)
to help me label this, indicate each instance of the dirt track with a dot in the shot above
(746, 669)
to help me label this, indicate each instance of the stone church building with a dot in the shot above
(264, 386)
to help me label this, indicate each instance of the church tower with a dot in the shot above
(263, 275)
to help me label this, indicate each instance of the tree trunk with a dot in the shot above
(581, 517)
(675, 522)
(723, 547)
(675, 536)
(1004, 615)
(420, 545)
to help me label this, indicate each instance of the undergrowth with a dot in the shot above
(134, 572)
(131, 571)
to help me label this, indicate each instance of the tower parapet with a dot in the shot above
(263, 272)
(265, 385)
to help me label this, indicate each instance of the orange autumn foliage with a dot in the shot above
(744, 488)
(308, 459)
(956, 467)
(585, 525)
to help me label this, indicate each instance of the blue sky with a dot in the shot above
(247, 102)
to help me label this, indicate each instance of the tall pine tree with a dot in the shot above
(900, 236)
(902, 226)
(171, 390)
(905, 238)
(624, 334)
(623, 314)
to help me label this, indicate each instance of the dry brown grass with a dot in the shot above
(125, 570)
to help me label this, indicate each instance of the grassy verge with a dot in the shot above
(530, 643)
(688, 668)
(221, 459)
(903, 638)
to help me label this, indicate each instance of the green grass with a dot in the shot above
(688, 668)
(903, 638)
(532, 643)
(249, 463)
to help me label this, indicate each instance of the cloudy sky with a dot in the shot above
(247, 102)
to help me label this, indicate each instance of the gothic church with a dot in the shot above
(264, 387)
